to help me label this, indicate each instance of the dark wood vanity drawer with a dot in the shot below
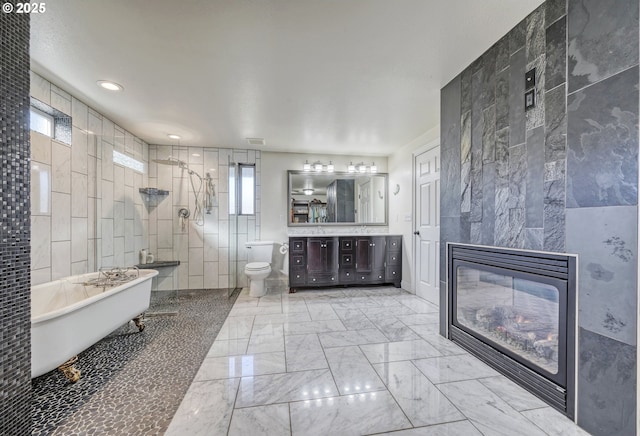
(394, 258)
(346, 260)
(346, 244)
(322, 279)
(394, 273)
(297, 245)
(394, 243)
(371, 277)
(297, 260)
(347, 276)
(297, 277)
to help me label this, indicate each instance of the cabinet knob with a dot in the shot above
(348, 274)
(394, 273)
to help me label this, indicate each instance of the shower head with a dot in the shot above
(170, 161)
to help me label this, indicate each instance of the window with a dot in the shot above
(41, 122)
(246, 188)
(128, 161)
(49, 121)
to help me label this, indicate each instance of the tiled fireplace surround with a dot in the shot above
(561, 177)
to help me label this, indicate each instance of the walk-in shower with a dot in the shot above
(205, 202)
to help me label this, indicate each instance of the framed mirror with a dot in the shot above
(337, 199)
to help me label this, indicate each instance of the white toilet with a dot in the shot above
(259, 266)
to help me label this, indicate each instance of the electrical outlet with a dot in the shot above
(530, 99)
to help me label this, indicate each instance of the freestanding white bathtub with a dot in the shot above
(68, 317)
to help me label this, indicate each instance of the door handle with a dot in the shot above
(417, 233)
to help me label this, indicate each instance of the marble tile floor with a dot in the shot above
(351, 361)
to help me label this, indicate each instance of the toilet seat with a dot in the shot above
(257, 266)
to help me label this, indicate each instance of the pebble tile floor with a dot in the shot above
(351, 361)
(132, 383)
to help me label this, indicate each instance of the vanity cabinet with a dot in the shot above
(344, 260)
(322, 261)
(370, 259)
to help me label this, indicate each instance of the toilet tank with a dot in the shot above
(259, 251)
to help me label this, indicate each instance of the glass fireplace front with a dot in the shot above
(519, 316)
(515, 310)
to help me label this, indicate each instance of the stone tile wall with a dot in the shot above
(561, 177)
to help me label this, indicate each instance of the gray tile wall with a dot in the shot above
(15, 234)
(562, 177)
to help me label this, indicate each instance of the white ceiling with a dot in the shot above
(337, 76)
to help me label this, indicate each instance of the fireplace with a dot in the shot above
(516, 311)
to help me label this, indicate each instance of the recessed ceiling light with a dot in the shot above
(195, 154)
(111, 86)
(174, 136)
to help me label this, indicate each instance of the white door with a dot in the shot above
(427, 220)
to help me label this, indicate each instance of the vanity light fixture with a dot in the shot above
(374, 168)
(362, 168)
(109, 85)
(306, 166)
(351, 168)
(330, 168)
(318, 166)
(307, 191)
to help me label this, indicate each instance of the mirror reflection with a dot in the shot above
(337, 198)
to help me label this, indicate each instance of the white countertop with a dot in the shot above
(307, 235)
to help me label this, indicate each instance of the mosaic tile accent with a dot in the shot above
(15, 230)
(133, 383)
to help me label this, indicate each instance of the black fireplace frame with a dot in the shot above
(559, 270)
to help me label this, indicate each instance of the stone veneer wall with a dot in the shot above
(203, 251)
(562, 177)
(15, 295)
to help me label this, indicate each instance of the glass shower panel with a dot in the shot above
(233, 226)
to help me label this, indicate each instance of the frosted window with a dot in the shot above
(41, 122)
(245, 185)
(128, 161)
